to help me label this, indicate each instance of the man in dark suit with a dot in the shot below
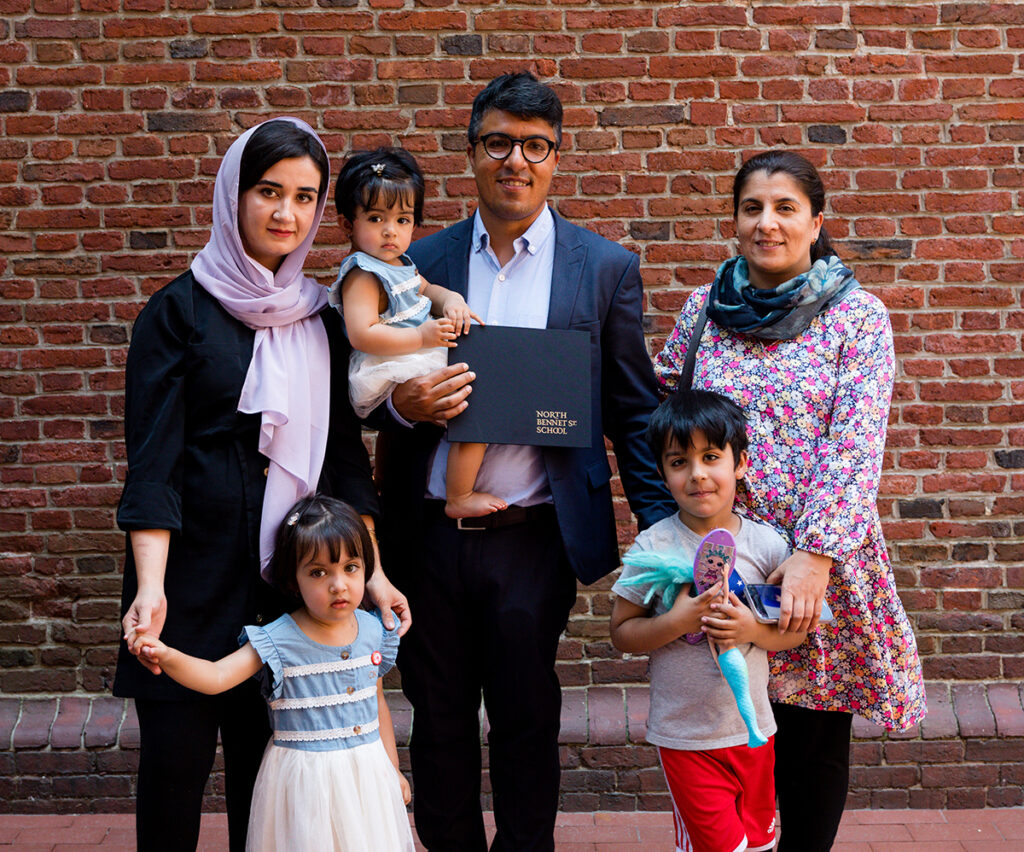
(492, 594)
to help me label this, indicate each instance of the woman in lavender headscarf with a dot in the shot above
(233, 411)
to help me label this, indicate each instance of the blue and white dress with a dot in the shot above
(326, 781)
(371, 378)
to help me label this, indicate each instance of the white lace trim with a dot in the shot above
(408, 284)
(326, 668)
(323, 700)
(329, 734)
(421, 302)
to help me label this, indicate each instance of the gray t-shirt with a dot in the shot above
(692, 708)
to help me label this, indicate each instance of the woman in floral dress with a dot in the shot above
(793, 339)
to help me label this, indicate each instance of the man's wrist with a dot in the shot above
(394, 413)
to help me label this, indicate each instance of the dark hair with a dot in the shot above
(274, 141)
(313, 523)
(805, 176)
(360, 185)
(687, 411)
(522, 95)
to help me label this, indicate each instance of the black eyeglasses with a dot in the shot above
(499, 145)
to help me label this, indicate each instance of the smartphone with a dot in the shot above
(766, 602)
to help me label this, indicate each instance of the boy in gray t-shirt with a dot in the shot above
(723, 791)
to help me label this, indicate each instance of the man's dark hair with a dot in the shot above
(522, 95)
(687, 411)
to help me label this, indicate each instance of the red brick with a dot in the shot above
(69, 722)
(974, 64)
(1005, 701)
(884, 776)
(259, 23)
(105, 719)
(419, 69)
(33, 728)
(647, 41)
(229, 72)
(974, 716)
(436, 21)
(147, 27)
(959, 776)
(136, 74)
(10, 710)
(606, 714)
(604, 67)
(683, 67)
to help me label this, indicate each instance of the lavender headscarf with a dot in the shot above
(289, 375)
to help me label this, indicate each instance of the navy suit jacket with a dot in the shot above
(596, 288)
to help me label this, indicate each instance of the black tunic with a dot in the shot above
(194, 469)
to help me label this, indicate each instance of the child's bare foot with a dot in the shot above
(473, 505)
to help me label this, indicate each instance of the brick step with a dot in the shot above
(967, 753)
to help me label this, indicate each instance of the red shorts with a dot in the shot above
(724, 799)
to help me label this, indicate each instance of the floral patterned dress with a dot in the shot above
(817, 407)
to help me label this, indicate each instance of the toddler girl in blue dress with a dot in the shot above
(387, 306)
(329, 778)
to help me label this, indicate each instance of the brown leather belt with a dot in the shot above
(434, 511)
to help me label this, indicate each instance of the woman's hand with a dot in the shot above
(387, 599)
(804, 577)
(438, 332)
(149, 609)
(146, 615)
(730, 624)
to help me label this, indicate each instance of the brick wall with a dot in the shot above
(115, 113)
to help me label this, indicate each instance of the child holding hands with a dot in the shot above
(329, 778)
(387, 305)
(723, 791)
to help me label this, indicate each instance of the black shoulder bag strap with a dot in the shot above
(686, 377)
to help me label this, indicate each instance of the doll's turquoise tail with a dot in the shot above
(734, 669)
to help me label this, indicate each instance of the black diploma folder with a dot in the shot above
(532, 386)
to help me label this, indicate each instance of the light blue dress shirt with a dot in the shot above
(515, 294)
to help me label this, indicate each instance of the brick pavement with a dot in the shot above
(988, 830)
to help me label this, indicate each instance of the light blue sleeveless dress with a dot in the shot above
(371, 378)
(326, 782)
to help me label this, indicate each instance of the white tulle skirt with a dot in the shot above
(346, 800)
(371, 378)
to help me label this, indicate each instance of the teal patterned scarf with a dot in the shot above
(780, 313)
